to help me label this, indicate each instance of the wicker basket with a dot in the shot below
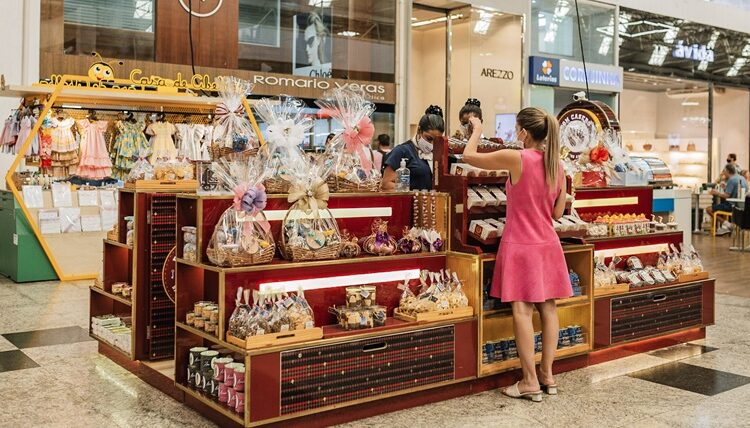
(232, 259)
(114, 233)
(342, 185)
(299, 254)
(218, 151)
(276, 185)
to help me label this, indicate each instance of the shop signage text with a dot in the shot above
(496, 73)
(544, 71)
(695, 52)
(600, 77)
(570, 74)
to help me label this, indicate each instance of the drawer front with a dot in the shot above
(326, 375)
(660, 311)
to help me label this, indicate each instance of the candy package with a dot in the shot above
(349, 151)
(233, 132)
(287, 126)
(242, 236)
(380, 242)
(142, 168)
(309, 231)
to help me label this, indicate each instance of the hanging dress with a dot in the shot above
(163, 144)
(45, 145)
(64, 147)
(194, 140)
(130, 143)
(95, 162)
(26, 125)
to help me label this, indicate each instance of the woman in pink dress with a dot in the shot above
(530, 269)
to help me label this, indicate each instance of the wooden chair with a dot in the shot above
(725, 215)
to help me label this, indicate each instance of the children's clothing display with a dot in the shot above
(195, 140)
(95, 162)
(10, 132)
(45, 145)
(130, 142)
(163, 144)
(64, 147)
(26, 124)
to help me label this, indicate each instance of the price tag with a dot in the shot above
(284, 327)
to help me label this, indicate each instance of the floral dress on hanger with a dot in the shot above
(64, 147)
(45, 145)
(163, 144)
(130, 143)
(95, 162)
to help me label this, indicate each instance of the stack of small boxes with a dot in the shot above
(506, 349)
(113, 330)
(575, 281)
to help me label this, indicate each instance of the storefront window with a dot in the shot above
(121, 29)
(554, 30)
(259, 22)
(319, 38)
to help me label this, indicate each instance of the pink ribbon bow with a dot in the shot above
(222, 110)
(359, 137)
(251, 200)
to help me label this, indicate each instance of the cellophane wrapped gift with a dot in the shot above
(242, 236)
(142, 168)
(349, 151)
(309, 231)
(232, 132)
(287, 125)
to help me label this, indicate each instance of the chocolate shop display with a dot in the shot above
(269, 313)
(506, 349)
(114, 330)
(216, 375)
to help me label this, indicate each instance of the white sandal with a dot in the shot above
(513, 392)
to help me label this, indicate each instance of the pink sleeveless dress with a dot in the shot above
(530, 264)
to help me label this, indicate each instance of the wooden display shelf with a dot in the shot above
(212, 404)
(433, 316)
(278, 264)
(112, 296)
(117, 244)
(570, 301)
(690, 277)
(277, 339)
(209, 337)
(611, 290)
(171, 186)
(335, 331)
(608, 238)
(110, 346)
(501, 366)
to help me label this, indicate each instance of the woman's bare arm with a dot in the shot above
(560, 201)
(502, 159)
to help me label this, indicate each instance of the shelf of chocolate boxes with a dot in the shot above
(505, 349)
(490, 303)
(603, 225)
(216, 374)
(114, 330)
(228, 246)
(672, 266)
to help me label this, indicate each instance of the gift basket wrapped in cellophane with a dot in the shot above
(349, 151)
(233, 132)
(309, 231)
(286, 127)
(242, 236)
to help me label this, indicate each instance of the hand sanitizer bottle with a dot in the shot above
(403, 179)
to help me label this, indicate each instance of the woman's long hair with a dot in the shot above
(543, 127)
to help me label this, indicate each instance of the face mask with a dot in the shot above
(423, 145)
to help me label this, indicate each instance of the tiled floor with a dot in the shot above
(51, 375)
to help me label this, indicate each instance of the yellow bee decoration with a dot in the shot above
(102, 70)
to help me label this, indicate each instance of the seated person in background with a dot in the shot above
(736, 187)
(381, 153)
(732, 160)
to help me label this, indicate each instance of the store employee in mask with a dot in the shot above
(417, 152)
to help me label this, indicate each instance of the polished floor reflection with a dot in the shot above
(52, 376)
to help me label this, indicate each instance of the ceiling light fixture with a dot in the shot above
(348, 33)
(435, 20)
(738, 64)
(658, 55)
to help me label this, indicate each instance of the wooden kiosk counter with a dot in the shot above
(303, 376)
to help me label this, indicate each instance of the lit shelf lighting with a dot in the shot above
(338, 281)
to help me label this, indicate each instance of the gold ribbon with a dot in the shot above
(310, 198)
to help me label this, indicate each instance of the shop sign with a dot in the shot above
(544, 71)
(271, 84)
(496, 73)
(695, 52)
(600, 77)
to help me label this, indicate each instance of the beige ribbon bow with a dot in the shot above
(310, 198)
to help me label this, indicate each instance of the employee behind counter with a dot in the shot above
(417, 152)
